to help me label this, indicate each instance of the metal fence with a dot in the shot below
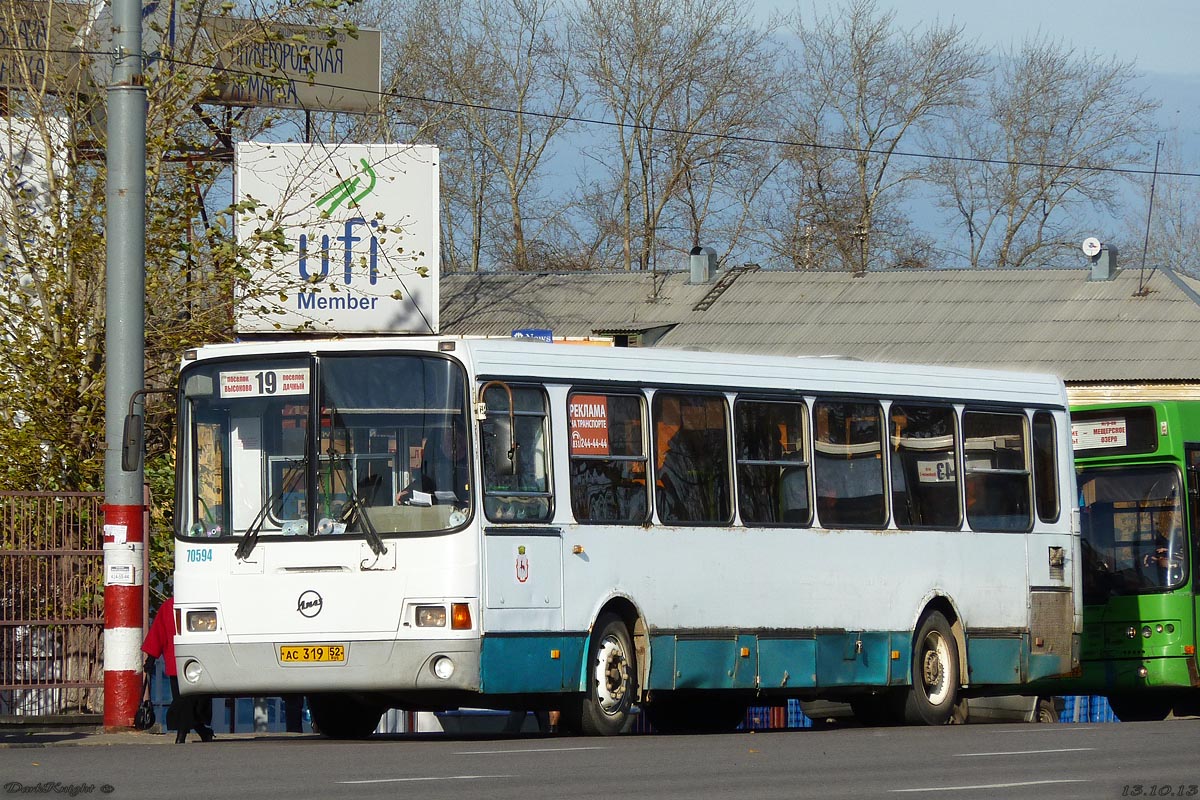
(51, 604)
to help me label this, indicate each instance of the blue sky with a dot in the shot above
(1158, 36)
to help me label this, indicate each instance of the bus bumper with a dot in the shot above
(1114, 676)
(241, 668)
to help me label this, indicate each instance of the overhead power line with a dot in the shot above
(669, 130)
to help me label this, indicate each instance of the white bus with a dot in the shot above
(437, 523)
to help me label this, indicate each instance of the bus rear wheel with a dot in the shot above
(343, 717)
(698, 712)
(932, 698)
(1145, 707)
(606, 707)
(876, 709)
(1047, 712)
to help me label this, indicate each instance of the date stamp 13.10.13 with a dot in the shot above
(1160, 790)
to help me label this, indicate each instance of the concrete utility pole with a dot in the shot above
(125, 323)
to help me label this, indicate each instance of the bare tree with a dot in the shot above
(1167, 230)
(1054, 123)
(53, 237)
(683, 80)
(491, 84)
(864, 87)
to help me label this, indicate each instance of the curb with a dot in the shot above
(102, 738)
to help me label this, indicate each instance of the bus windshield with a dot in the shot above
(361, 445)
(1132, 527)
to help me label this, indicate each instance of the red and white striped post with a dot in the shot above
(124, 576)
(124, 363)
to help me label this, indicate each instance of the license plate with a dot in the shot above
(312, 653)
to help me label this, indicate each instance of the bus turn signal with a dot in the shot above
(460, 617)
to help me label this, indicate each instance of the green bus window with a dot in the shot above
(1134, 538)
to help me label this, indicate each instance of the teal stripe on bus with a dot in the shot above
(525, 664)
(996, 660)
(834, 659)
(512, 664)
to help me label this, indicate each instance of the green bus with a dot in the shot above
(1138, 482)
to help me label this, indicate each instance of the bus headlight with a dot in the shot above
(443, 667)
(201, 621)
(431, 616)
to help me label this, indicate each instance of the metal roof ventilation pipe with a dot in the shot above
(703, 265)
(1104, 264)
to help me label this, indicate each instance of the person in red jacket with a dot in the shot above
(189, 712)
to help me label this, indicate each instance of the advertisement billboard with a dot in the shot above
(294, 66)
(341, 239)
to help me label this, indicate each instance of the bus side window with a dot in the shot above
(997, 471)
(608, 458)
(772, 472)
(693, 465)
(516, 455)
(848, 464)
(923, 451)
(1045, 466)
(1192, 482)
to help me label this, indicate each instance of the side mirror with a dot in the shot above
(134, 433)
(499, 439)
(131, 442)
(498, 447)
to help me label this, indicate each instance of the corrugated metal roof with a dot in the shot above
(1136, 327)
(572, 304)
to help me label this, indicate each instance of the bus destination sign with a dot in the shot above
(1093, 434)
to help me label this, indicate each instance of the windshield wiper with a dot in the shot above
(250, 538)
(355, 505)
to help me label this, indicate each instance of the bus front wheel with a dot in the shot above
(934, 692)
(606, 708)
(342, 717)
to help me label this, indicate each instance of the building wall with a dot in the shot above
(1080, 394)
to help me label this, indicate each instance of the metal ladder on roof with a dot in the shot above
(723, 283)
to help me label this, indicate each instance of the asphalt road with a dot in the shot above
(974, 761)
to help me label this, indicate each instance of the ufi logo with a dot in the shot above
(309, 604)
(349, 191)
